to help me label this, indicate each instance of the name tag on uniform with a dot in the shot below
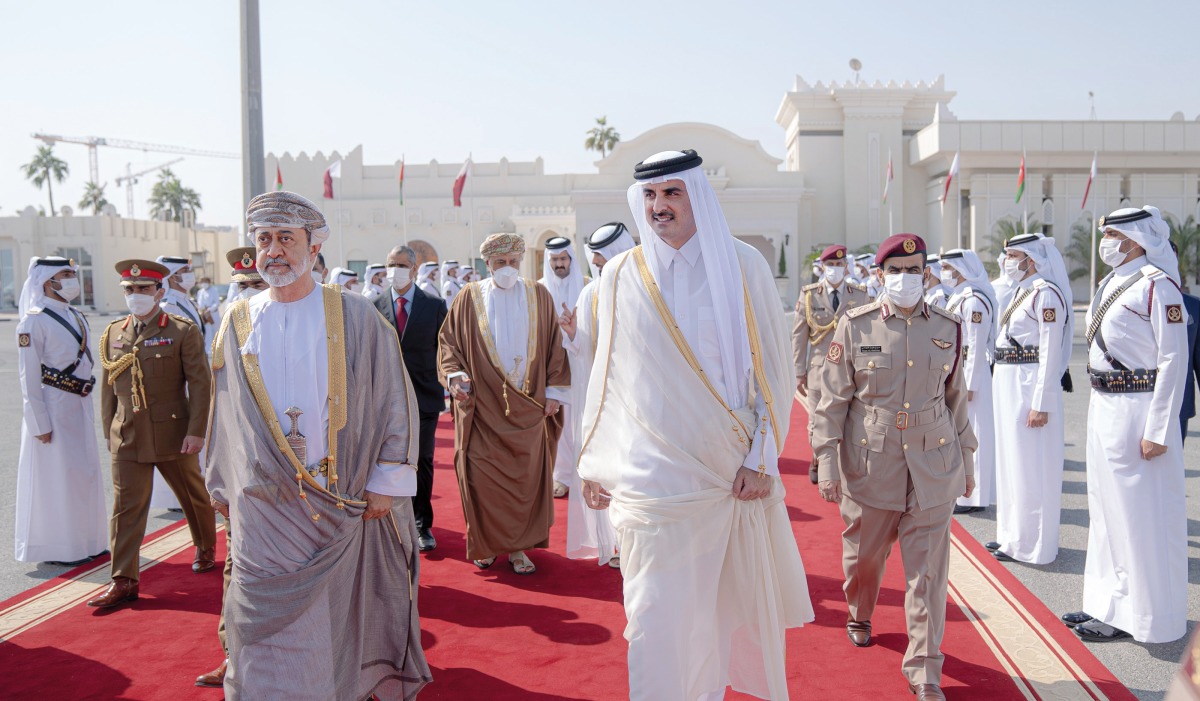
(156, 341)
(118, 344)
(870, 349)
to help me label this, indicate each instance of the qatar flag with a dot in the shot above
(460, 181)
(950, 176)
(1091, 177)
(334, 171)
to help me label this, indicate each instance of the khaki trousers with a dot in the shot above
(924, 536)
(132, 483)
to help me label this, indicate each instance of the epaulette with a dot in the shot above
(942, 312)
(859, 311)
(854, 286)
(177, 317)
(809, 288)
(34, 310)
(1148, 270)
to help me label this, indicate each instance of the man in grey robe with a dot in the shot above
(313, 438)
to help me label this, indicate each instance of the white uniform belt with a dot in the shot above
(899, 419)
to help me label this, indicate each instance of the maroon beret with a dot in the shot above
(834, 252)
(899, 245)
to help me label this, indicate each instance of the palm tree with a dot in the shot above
(1079, 250)
(93, 198)
(601, 137)
(1186, 236)
(170, 199)
(44, 168)
(1003, 230)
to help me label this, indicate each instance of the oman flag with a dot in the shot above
(1021, 178)
(460, 182)
(888, 177)
(401, 181)
(278, 178)
(334, 171)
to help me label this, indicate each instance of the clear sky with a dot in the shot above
(526, 79)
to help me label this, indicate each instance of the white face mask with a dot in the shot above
(139, 304)
(505, 277)
(905, 289)
(948, 279)
(187, 280)
(834, 274)
(1012, 268)
(70, 288)
(247, 293)
(1110, 252)
(204, 285)
(399, 277)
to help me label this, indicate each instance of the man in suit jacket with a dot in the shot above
(417, 317)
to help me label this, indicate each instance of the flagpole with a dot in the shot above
(1024, 202)
(341, 237)
(403, 215)
(471, 212)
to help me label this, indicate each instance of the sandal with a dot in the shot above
(484, 563)
(560, 490)
(615, 562)
(521, 563)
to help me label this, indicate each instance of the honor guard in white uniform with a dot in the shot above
(1032, 350)
(937, 292)
(375, 285)
(973, 300)
(818, 310)
(1135, 579)
(60, 493)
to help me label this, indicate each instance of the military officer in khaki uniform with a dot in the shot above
(894, 411)
(818, 310)
(154, 405)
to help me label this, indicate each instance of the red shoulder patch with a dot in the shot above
(1174, 314)
(835, 353)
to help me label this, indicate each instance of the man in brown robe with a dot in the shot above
(311, 455)
(501, 356)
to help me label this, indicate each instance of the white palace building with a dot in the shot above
(828, 189)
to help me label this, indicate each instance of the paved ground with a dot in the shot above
(1146, 669)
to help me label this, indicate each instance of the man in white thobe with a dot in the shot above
(563, 277)
(590, 532)
(60, 511)
(937, 292)
(687, 409)
(427, 278)
(375, 286)
(1135, 579)
(1033, 347)
(313, 448)
(208, 300)
(973, 300)
(451, 285)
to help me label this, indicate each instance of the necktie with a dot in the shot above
(401, 315)
(834, 296)
(138, 327)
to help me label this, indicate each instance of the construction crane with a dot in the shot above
(94, 142)
(130, 179)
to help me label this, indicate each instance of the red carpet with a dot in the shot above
(555, 635)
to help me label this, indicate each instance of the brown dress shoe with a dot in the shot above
(205, 560)
(859, 632)
(927, 692)
(215, 678)
(120, 590)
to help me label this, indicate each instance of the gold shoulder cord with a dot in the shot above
(114, 368)
(241, 324)
(816, 332)
(335, 326)
(681, 343)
